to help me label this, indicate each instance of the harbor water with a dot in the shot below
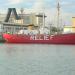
(37, 59)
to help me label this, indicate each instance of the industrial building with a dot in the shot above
(14, 22)
(70, 28)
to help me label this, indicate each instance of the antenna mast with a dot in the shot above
(22, 11)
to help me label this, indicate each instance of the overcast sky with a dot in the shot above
(67, 8)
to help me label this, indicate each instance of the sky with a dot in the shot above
(67, 8)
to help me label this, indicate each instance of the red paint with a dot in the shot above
(42, 39)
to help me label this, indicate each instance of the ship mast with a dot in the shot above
(22, 21)
(58, 15)
(43, 16)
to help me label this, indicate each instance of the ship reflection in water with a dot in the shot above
(33, 59)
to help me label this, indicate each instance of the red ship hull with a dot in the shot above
(40, 39)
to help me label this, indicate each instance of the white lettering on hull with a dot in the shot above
(40, 37)
(32, 37)
(46, 37)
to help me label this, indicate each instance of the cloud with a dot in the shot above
(38, 5)
(12, 2)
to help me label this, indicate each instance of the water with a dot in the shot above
(33, 59)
